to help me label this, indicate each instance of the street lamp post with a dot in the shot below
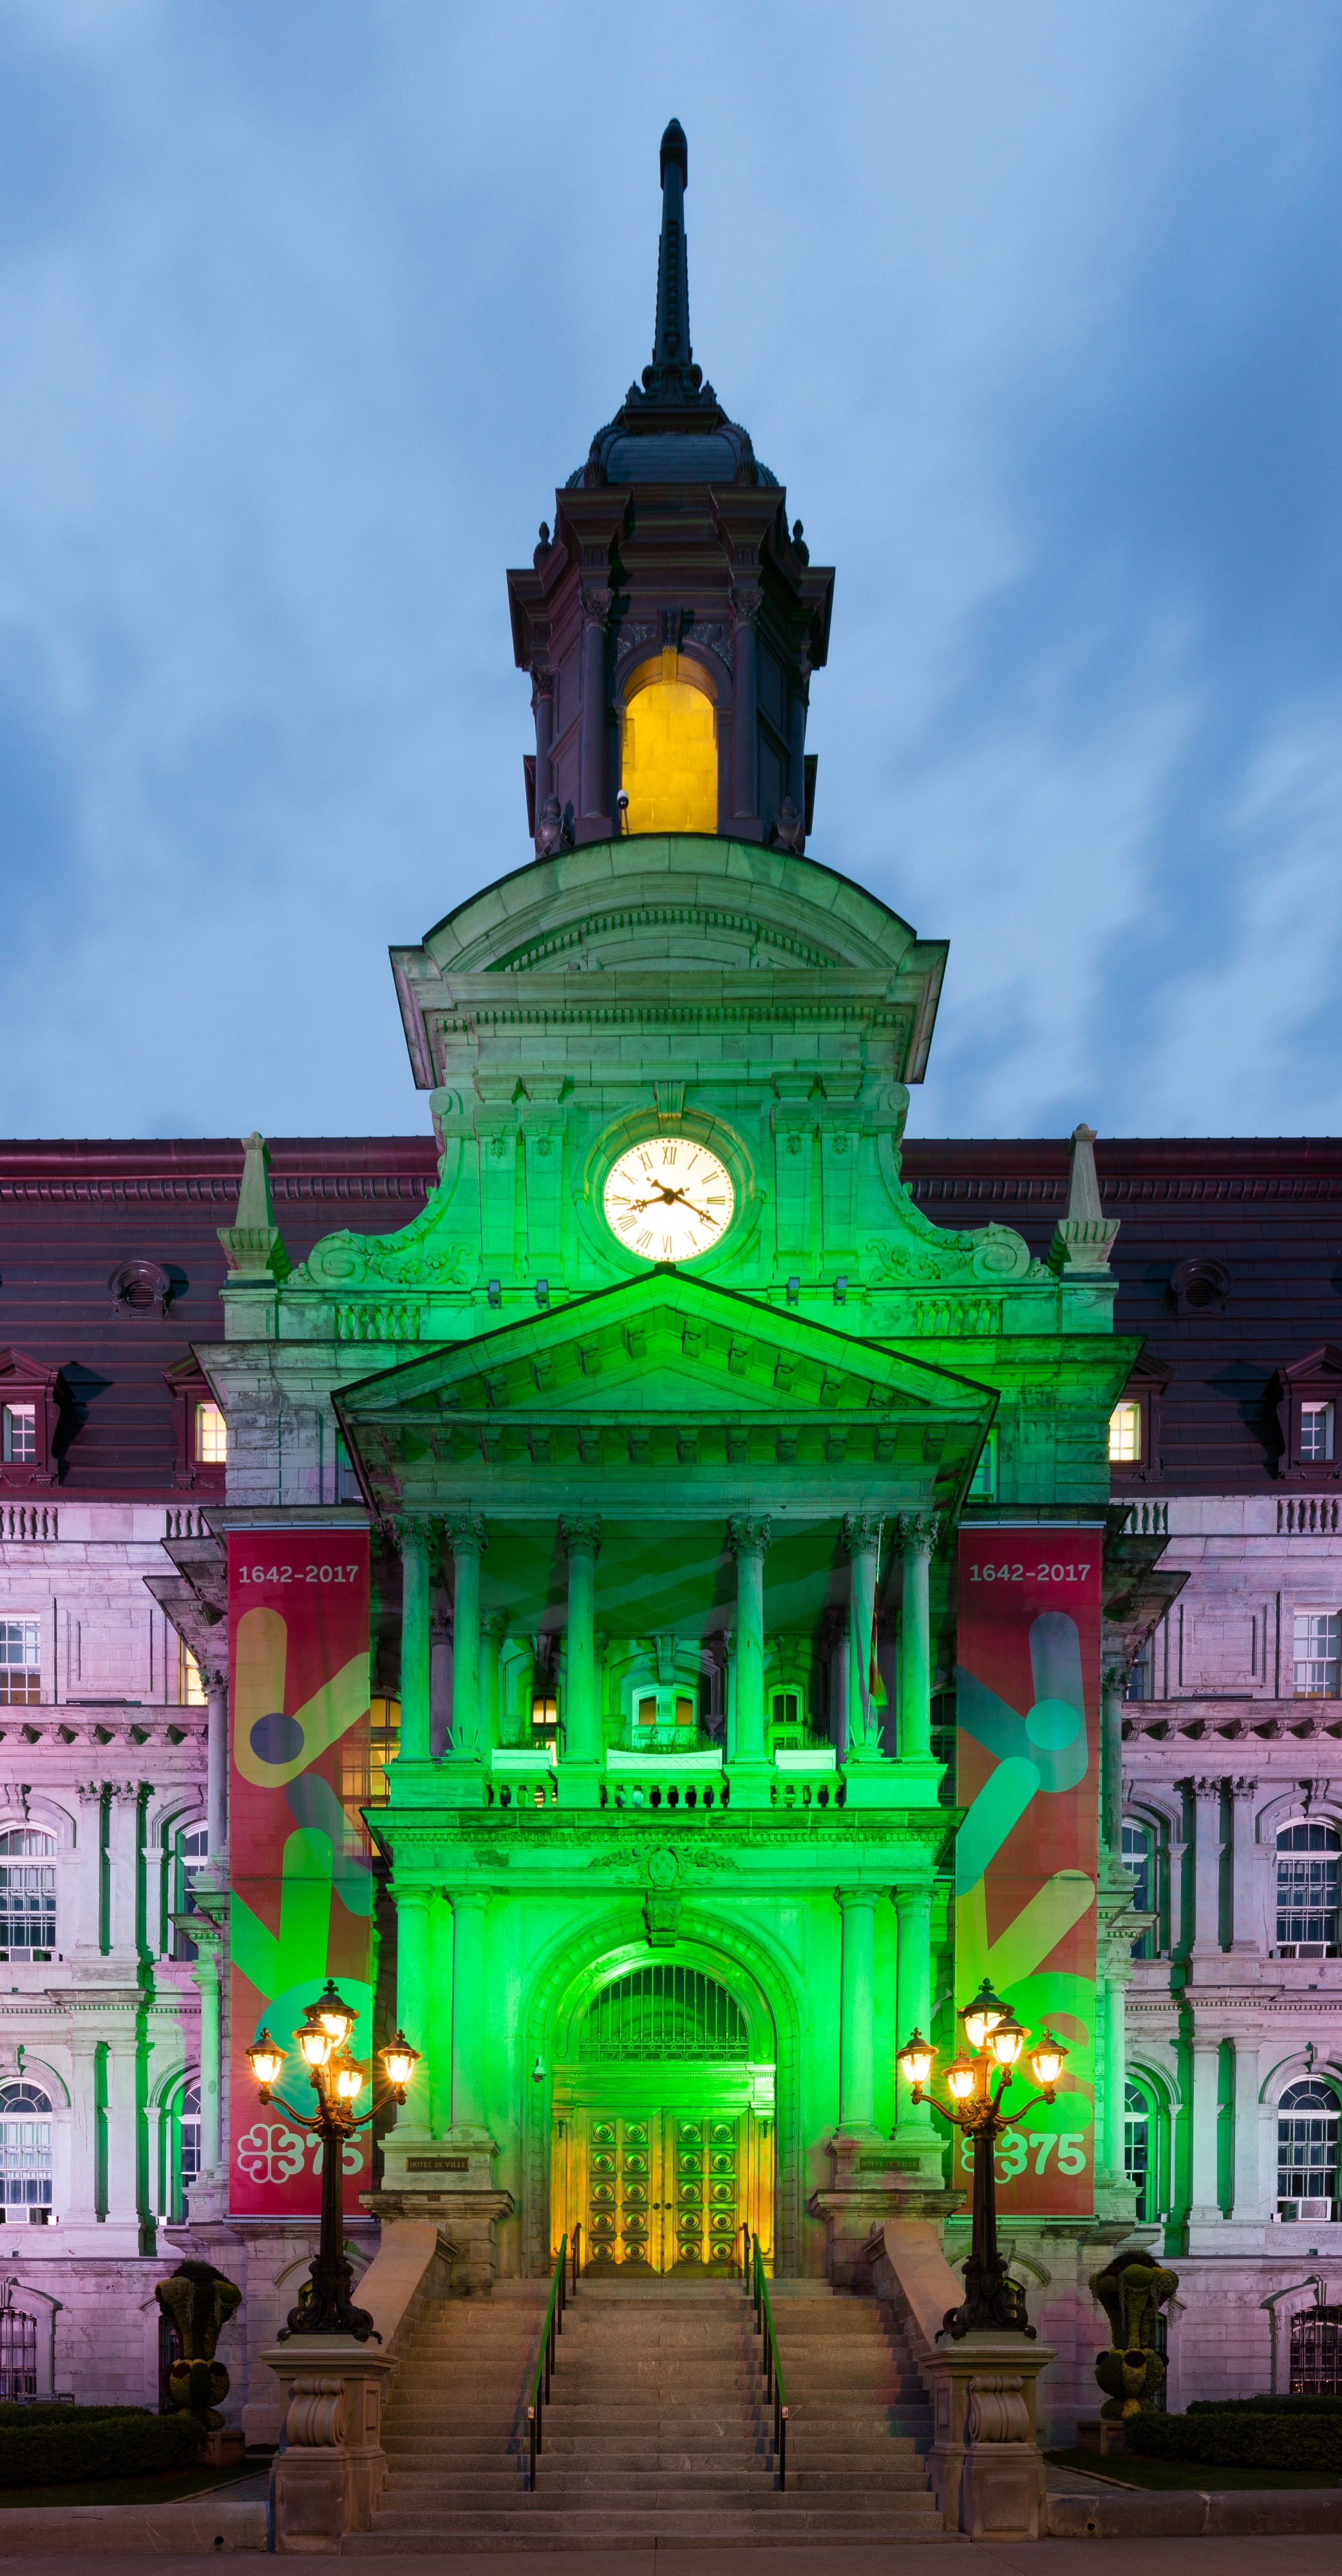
(994, 2041)
(323, 2044)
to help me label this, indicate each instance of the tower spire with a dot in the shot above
(671, 337)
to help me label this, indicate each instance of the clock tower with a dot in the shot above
(662, 1416)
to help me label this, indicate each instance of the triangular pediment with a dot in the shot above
(662, 1376)
(658, 1343)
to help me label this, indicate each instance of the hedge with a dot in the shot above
(47, 2411)
(1265, 2405)
(1235, 2441)
(128, 2444)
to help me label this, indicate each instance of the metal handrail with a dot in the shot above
(757, 2290)
(547, 2356)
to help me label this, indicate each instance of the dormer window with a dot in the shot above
(1125, 1433)
(211, 1434)
(1316, 1430)
(1305, 1393)
(18, 1435)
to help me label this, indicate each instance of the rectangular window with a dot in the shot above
(190, 1687)
(18, 1434)
(684, 1712)
(1318, 1649)
(27, 1909)
(25, 2164)
(20, 1663)
(983, 1482)
(647, 1712)
(1316, 1431)
(211, 1436)
(545, 1713)
(1125, 1433)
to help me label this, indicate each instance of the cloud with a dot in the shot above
(302, 315)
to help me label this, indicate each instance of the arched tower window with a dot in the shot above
(1137, 2164)
(192, 1852)
(1309, 1859)
(1139, 1860)
(669, 750)
(25, 2154)
(1307, 2125)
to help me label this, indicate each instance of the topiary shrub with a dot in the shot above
(1231, 2439)
(131, 2443)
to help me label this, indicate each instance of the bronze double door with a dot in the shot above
(661, 2191)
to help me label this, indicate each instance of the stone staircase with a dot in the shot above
(657, 2430)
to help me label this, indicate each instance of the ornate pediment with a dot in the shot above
(665, 1375)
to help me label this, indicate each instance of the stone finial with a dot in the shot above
(253, 1247)
(1084, 1238)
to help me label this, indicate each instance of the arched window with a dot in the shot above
(1139, 1860)
(1307, 2124)
(664, 2012)
(25, 2154)
(1316, 2353)
(668, 750)
(1137, 2147)
(1309, 1859)
(18, 2351)
(190, 1857)
(27, 1893)
(184, 2138)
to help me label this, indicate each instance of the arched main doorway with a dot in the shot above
(663, 2123)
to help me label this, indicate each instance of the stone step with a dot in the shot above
(532, 2516)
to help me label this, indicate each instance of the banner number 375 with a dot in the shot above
(1013, 2153)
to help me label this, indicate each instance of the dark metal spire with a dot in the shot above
(671, 337)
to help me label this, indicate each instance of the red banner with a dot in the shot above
(300, 1863)
(1027, 1853)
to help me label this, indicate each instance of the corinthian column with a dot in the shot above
(861, 1541)
(917, 1538)
(748, 1540)
(581, 1534)
(467, 1540)
(414, 1538)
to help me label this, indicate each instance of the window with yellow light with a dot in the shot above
(669, 749)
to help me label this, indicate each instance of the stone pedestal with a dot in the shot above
(872, 2179)
(329, 2478)
(984, 2464)
(449, 2183)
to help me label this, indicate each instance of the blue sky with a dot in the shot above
(306, 305)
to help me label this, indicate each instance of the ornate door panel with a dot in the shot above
(666, 2193)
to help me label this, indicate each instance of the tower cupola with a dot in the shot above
(671, 619)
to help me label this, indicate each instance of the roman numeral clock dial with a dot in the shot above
(668, 1199)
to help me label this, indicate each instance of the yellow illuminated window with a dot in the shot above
(364, 1763)
(669, 763)
(1125, 1433)
(190, 1687)
(211, 1436)
(647, 1712)
(684, 1712)
(543, 1710)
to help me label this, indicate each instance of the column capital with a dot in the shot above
(861, 1533)
(847, 1898)
(1243, 1791)
(1208, 1791)
(465, 1534)
(581, 1533)
(495, 1624)
(410, 1532)
(918, 1532)
(912, 1900)
(747, 1536)
(1115, 1675)
(597, 603)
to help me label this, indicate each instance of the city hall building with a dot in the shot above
(537, 1569)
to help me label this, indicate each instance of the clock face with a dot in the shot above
(668, 1199)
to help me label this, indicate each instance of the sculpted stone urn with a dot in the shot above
(199, 2301)
(1132, 2290)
